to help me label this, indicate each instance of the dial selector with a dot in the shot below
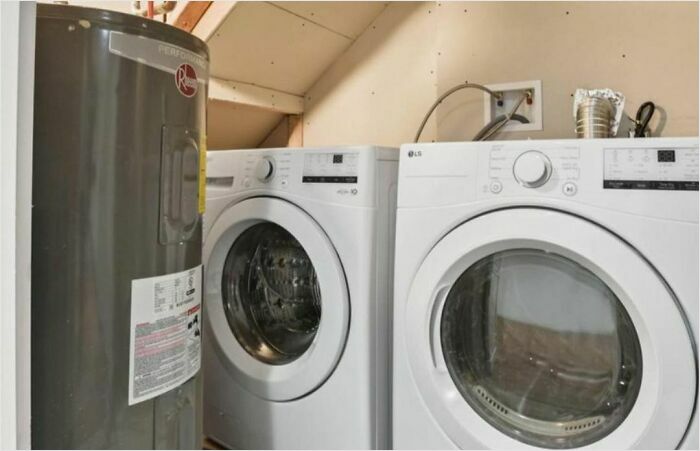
(264, 169)
(532, 169)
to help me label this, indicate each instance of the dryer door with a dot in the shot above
(277, 303)
(537, 327)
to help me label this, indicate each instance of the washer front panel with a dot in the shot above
(304, 367)
(657, 416)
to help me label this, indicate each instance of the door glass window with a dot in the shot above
(271, 294)
(541, 348)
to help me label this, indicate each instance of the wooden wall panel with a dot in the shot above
(289, 132)
(378, 91)
(646, 50)
(232, 126)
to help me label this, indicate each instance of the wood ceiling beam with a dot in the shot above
(295, 130)
(216, 14)
(191, 15)
(255, 96)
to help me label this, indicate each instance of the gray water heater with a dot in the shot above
(119, 144)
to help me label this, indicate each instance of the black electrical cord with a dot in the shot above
(495, 125)
(642, 118)
(501, 120)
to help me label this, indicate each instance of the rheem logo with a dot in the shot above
(186, 80)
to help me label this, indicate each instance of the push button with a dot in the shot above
(569, 188)
(496, 187)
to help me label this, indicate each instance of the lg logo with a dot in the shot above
(415, 153)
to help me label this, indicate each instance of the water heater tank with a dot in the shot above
(119, 144)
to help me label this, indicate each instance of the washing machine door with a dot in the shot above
(532, 327)
(277, 304)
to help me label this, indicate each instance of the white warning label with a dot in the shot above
(166, 336)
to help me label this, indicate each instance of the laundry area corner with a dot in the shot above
(349, 225)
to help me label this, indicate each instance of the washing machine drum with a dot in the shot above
(277, 303)
(271, 294)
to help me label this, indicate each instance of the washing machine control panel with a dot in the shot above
(651, 168)
(266, 170)
(330, 167)
(325, 170)
(343, 176)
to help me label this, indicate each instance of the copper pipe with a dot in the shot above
(165, 7)
(160, 8)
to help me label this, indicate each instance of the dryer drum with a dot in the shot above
(541, 348)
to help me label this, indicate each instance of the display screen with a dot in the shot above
(635, 168)
(322, 167)
(666, 156)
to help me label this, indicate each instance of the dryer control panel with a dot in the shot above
(562, 162)
(652, 177)
(651, 168)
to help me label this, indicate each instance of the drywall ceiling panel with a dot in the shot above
(232, 126)
(261, 44)
(379, 90)
(347, 18)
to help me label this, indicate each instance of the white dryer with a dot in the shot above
(298, 252)
(546, 295)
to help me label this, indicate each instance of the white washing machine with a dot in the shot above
(546, 295)
(298, 264)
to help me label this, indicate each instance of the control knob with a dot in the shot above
(532, 169)
(264, 169)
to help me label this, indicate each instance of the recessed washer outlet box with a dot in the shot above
(511, 94)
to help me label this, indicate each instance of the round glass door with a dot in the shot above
(541, 348)
(271, 294)
(555, 333)
(277, 308)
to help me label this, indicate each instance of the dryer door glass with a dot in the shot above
(541, 348)
(271, 294)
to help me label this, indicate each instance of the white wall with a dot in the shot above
(16, 117)
(378, 91)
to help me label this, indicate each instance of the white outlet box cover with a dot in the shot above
(532, 112)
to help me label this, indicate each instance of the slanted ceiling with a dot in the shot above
(264, 57)
(273, 51)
